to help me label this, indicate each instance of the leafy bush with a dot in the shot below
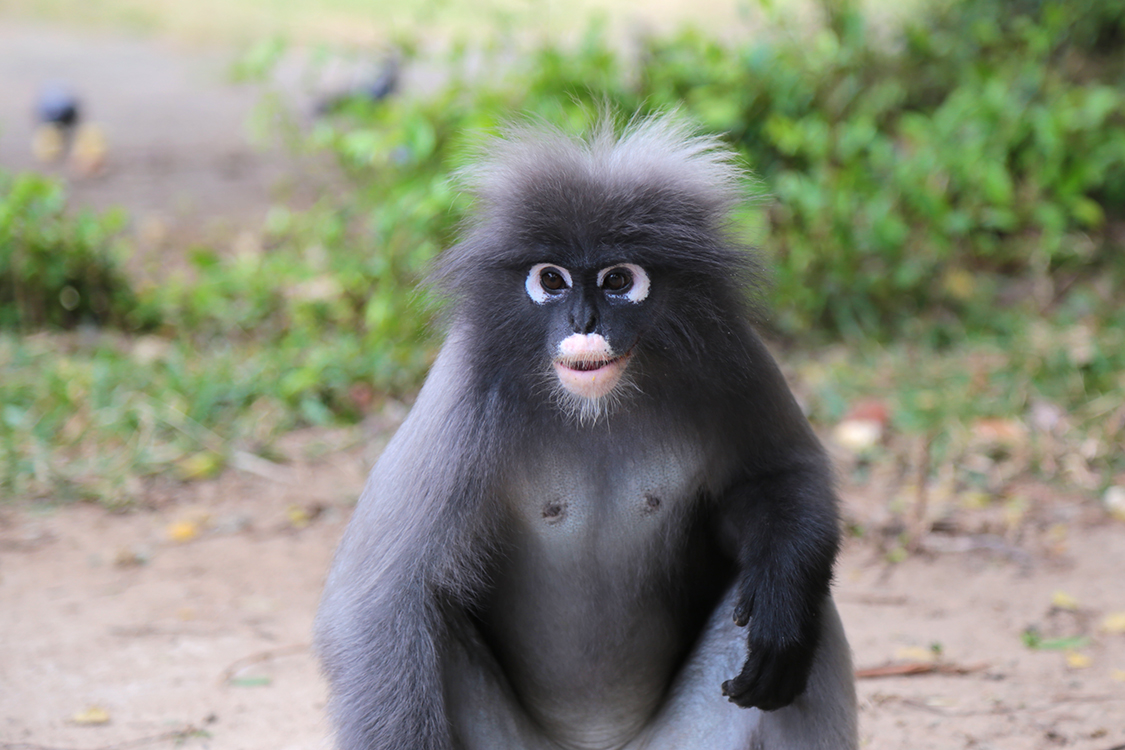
(917, 185)
(99, 416)
(943, 185)
(58, 270)
(921, 179)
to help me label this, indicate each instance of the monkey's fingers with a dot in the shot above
(770, 679)
(744, 609)
(742, 612)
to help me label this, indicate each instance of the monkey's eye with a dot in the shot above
(627, 280)
(618, 280)
(545, 281)
(551, 280)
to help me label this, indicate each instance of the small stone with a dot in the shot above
(1114, 501)
(858, 435)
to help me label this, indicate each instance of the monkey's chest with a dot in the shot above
(587, 609)
(596, 512)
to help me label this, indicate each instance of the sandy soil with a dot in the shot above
(188, 623)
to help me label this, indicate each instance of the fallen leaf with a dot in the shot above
(1062, 644)
(1118, 675)
(1075, 660)
(915, 653)
(999, 431)
(1063, 600)
(91, 716)
(1033, 640)
(298, 517)
(182, 531)
(203, 465)
(897, 554)
(1114, 623)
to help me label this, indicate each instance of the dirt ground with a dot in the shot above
(187, 623)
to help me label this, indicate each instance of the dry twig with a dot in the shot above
(909, 669)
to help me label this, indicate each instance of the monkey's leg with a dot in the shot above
(483, 711)
(697, 716)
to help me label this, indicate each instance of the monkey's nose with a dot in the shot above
(583, 320)
(583, 316)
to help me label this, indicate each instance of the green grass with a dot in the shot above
(98, 416)
(960, 297)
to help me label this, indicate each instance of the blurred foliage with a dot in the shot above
(961, 181)
(957, 178)
(88, 416)
(57, 270)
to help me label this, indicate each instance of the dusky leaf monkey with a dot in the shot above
(605, 511)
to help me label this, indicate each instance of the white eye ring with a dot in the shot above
(639, 290)
(534, 285)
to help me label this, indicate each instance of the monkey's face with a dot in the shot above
(593, 321)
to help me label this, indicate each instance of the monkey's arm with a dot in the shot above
(785, 524)
(411, 549)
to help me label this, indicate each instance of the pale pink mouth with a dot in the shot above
(590, 377)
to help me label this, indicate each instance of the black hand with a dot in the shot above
(782, 641)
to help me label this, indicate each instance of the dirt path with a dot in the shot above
(211, 633)
(179, 154)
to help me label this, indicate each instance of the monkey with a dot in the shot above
(605, 524)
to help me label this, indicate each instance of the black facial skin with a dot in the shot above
(457, 553)
(586, 308)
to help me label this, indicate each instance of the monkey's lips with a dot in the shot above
(590, 376)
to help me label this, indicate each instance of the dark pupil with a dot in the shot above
(617, 281)
(551, 280)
